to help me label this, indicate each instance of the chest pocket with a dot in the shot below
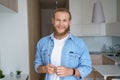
(73, 59)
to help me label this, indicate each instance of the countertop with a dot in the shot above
(107, 70)
(8, 77)
(114, 58)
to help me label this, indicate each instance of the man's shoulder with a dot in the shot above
(74, 37)
(44, 39)
(78, 41)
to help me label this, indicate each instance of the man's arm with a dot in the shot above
(41, 69)
(49, 68)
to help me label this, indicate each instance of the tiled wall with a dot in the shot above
(96, 44)
(115, 40)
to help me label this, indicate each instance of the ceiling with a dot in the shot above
(51, 4)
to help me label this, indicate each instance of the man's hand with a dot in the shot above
(63, 71)
(50, 68)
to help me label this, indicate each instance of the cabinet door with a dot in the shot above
(87, 30)
(118, 10)
(86, 11)
(81, 11)
(113, 29)
(75, 9)
(4, 2)
(107, 61)
(96, 59)
(13, 4)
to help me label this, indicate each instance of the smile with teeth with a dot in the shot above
(60, 27)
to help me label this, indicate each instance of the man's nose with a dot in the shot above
(61, 23)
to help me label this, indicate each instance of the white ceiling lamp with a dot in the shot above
(56, 4)
(98, 13)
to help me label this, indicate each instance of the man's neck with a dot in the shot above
(60, 36)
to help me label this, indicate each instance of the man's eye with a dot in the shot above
(57, 20)
(64, 20)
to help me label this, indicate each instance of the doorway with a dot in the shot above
(47, 8)
(39, 25)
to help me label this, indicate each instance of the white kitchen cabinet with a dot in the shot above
(11, 4)
(81, 25)
(87, 29)
(81, 11)
(118, 10)
(86, 11)
(113, 29)
(75, 9)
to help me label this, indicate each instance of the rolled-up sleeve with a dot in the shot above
(85, 65)
(85, 69)
(38, 60)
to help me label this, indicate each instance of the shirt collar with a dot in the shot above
(51, 36)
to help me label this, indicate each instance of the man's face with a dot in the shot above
(61, 23)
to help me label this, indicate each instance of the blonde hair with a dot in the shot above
(61, 10)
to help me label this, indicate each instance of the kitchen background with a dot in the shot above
(98, 44)
(96, 36)
(15, 35)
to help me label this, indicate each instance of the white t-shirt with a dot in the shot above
(56, 55)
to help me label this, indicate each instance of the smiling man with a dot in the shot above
(61, 55)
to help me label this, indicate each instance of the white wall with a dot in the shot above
(14, 39)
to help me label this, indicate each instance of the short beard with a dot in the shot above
(61, 34)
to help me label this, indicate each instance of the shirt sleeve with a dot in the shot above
(38, 60)
(85, 66)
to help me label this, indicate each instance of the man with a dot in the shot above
(61, 55)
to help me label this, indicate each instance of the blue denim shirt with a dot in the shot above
(74, 55)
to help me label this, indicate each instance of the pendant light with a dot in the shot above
(98, 13)
(56, 4)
